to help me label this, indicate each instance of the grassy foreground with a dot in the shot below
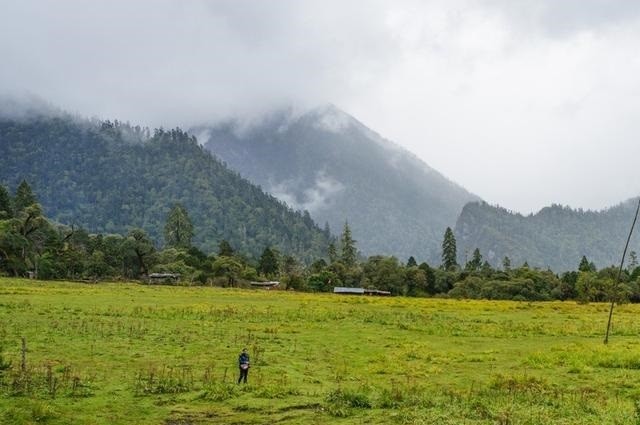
(126, 353)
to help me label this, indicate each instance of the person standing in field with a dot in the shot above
(243, 363)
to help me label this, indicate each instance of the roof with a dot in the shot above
(359, 291)
(344, 290)
(270, 283)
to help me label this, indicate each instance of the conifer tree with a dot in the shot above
(178, 231)
(585, 265)
(225, 249)
(449, 253)
(349, 252)
(332, 253)
(506, 264)
(6, 211)
(268, 262)
(24, 198)
(633, 260)
(475, 263)
(411, 262)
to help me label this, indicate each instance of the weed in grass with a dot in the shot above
(340, 402)
(164, 380)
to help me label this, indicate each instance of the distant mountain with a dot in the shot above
(328, 163)
(556, 237)
(110, 177)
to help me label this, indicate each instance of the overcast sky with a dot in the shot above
(524, 103)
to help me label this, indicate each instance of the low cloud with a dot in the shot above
(319, 196)
(523, 103)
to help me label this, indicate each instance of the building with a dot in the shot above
(359, 291)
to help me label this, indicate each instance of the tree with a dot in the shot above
(24, 197)
(475, 264)
(430, 282)
(34, 229)
(225, 249)
(140, 247)
(178, 230)
(411, 262)
(332, 253)
(6, 209)
(633, 260)
(449, 254)
(586, 266)
(227, 267)
(268, 262)
(416, 281)
(349, 252)
(506, 264)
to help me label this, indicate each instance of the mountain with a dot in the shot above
(328, 163)
(109, 177)
(556, 237)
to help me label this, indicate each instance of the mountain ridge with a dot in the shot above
(109, 176)
(555, 237)
(329, 163)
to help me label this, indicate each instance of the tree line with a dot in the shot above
(30, 244)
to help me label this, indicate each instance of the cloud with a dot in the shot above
(524, 103)
(316, 197)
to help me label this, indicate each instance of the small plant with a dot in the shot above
(165, 380)
(339, 402)
(220, 392)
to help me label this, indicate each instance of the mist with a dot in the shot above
(523, 103)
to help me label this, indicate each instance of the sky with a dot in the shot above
(524, 103)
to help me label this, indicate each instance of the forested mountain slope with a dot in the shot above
(328, 163)
(110, 177)
(555, 237)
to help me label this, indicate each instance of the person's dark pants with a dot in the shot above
(243, 375)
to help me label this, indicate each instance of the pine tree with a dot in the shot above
(411, 262)
(327, 230)
(506, 264)
(475, 263)
(268, 262)
(178, 231)
(225, 249)
(585, 265)
(349, 252)
(24, 197)
(6, 210)
(332, 253)
(633, 260)
(449, 253)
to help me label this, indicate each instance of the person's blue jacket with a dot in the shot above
(243, 359)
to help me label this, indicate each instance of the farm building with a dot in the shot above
(265, 285)
(160, 278)
(358, 291)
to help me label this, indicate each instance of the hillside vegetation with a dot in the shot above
(555, 237)
(110, 177)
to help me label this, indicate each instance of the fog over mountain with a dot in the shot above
(327, 162)
(524, 103)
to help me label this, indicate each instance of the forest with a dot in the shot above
(32, 245)
(113, 177)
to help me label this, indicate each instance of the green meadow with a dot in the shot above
(115, 353)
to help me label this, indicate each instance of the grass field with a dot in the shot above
(126, 353)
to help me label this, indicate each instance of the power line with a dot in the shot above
(624, 253)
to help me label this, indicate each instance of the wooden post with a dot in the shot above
(23, 362)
